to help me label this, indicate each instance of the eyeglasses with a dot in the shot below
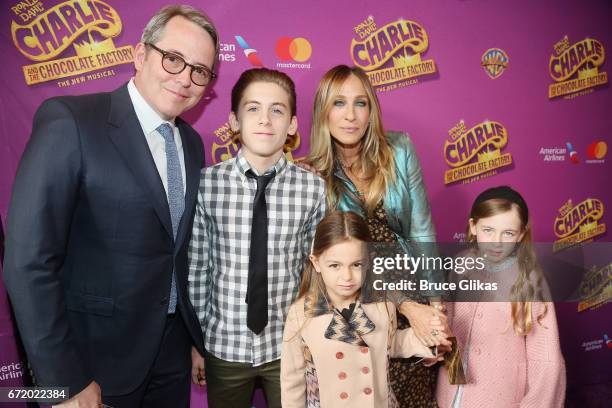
(175, 64)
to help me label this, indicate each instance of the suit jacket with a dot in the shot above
(329, 362)
(90, 249)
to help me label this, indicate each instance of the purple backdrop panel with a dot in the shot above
(490, 92)
(11, 367)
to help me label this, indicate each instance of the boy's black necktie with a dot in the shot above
(257, 289)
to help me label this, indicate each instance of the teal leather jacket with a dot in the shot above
(405, 204)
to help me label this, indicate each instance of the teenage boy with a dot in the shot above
(255, 219)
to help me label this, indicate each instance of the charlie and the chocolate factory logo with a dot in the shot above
(475, 153)
(575, 68)
(391, 55)
(42, 33)
(578, 223)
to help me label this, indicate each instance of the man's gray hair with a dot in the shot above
(155, 27)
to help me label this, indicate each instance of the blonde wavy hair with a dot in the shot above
(528, 285)
(376, 155)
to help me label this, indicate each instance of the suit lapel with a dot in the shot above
(127, 136)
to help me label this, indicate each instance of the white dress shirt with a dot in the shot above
(150, 121)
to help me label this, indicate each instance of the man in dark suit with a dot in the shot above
(99, 223)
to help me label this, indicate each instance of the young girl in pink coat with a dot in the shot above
(335, 348)
(510, 348)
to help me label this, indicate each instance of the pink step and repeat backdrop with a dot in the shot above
(491, 92)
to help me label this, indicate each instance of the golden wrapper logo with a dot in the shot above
(475, 153)
(595, 288)
(391, 53)
(575, 68)
(224, 148)
(55, 30)
(80, 24)
(578, 223)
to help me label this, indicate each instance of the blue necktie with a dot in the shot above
(176, 195)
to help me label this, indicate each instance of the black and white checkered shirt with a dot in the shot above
(219, 253)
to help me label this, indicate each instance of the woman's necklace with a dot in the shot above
(354, 174)
(358, 181)
(345, 165)
(349, 169)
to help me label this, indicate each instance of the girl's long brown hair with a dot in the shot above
(528, 285)
(335, 228)
(376, 155)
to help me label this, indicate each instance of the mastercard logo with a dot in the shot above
(293, 49)
(597, 150)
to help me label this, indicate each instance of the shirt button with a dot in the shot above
(365, 370)
(479, 315)
(367, 391)
(364, 350)
(477, 351)
(342, 375)
(343, 395)
(339, 355)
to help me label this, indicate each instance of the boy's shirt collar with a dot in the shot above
(244, 166)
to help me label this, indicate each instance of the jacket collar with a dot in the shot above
(351, 331)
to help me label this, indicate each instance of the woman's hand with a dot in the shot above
(429, 323)
(197, 368)
(440, 350)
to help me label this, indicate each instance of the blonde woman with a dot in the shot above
(377, 175)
